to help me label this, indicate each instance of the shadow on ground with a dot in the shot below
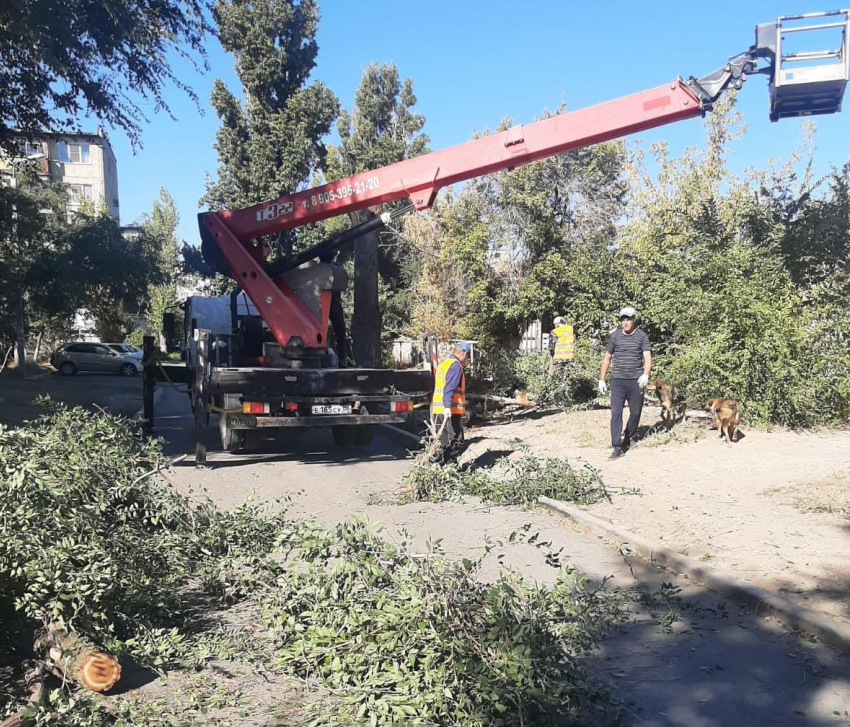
(691, 658)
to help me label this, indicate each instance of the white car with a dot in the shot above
(127, 348)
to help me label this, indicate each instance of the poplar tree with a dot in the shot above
(270, 139)
(381, 129)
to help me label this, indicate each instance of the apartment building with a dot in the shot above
(85, 163)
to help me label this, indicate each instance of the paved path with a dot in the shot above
(120, 394)
(717, 664)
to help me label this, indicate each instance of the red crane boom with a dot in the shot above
(227, 234)
(419, 179)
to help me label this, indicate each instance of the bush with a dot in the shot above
(567, 386)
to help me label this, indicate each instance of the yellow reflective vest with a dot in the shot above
(458, 398)
(565, 347)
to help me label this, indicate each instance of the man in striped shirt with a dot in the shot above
(629, 350)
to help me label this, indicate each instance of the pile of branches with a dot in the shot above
(418, 640)
(511, 481)
(98, 552)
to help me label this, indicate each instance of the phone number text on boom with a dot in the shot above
(343, 192)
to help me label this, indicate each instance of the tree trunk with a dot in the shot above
(37, 347)
(6, 358)
(19, 333)
(73, 658)
(39, 691)
(520, 399)
(366, 320)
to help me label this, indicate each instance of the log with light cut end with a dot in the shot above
(71, 657)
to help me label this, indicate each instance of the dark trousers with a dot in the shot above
(623, 390)
(451, 440)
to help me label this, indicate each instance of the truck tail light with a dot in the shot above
(401, 406)
(255, 407)
(291, 406)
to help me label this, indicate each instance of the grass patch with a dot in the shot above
(829, 494)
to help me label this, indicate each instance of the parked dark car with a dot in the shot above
(82, 356)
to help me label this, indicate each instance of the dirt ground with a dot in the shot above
(771, 509)
(693, 660)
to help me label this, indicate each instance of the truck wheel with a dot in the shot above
(365, 434)
(345, 435)
(231, 439)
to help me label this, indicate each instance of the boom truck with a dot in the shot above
(274, 369)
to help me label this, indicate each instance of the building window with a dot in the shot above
(31, 148)
(74, 153)
(79, 192)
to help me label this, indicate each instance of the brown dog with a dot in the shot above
(665, 393)
(727, 417)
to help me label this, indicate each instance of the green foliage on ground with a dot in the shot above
(91, 536)
(511, 481)
(417, 640)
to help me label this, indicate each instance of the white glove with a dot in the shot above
(602, 386)
(643, 380)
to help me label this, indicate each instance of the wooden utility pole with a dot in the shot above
(148, 381)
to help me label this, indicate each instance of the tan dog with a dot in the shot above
(665, 393)
(727, 417)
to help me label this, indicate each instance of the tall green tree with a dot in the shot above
(381, 129)
(61, 60)
(95, 268)
(159, 235)
(31, 211)
(546, 215)
(270, 140)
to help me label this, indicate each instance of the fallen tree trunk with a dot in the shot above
(520, 399)
(73, 658)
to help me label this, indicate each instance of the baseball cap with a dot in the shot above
(559, 321)
(464, 346)
(628, 312)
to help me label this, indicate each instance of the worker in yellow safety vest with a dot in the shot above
(562, 344)
(448, 404)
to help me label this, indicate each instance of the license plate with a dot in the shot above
(332, 408)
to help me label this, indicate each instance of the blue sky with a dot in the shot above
(473, 64)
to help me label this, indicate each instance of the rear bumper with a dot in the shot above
(251, 421)
(409, 383)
